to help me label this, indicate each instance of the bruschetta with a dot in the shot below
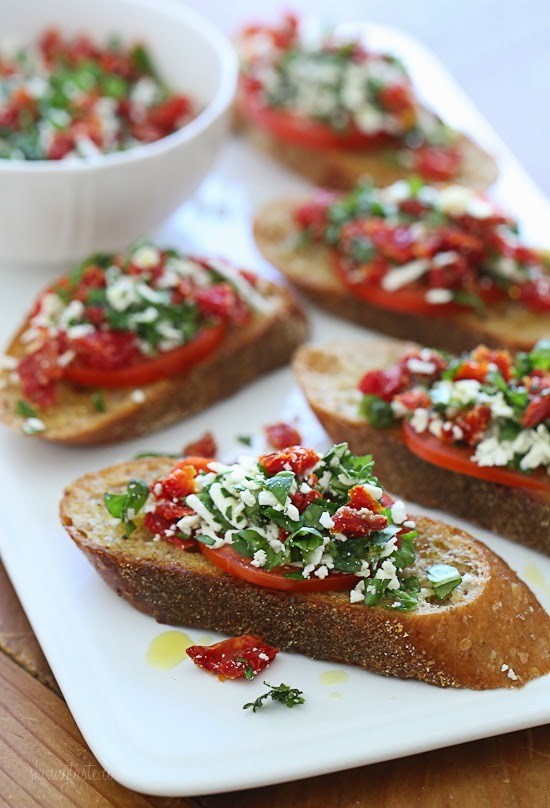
(442, 266)
(334, 111)
(307, 552)
(129, 343)
(468, 434)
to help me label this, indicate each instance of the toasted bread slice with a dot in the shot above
(491, 632)
(266, 343)
(342, 168)
(505, 324)
(329, 376)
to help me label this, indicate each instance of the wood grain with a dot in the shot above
(510, 771)
(17, 638)
(44, 761)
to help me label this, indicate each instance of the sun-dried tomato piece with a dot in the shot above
(93, 277)
(360, 498)
(414, 399)
(221, 300)
(106, 350)
(234, 658)
(303, 500)
(538, 410)
(502, 359)
(474, 423)
(204, 446)
(282, 435)
(384, 383)
(294, 458)
(437, 163)
(351, 522)
(179, 483)
(38, 373)
(472, 370)
(313, 215)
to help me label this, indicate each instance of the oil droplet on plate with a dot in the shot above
(167, 650)
(335, 695)
(333, 677)
(533, 575)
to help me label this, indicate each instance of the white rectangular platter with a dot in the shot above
(179, 731)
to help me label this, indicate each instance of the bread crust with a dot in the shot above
(266, 343)
(342, 168)
(505, 324)
(464, 644)
(329, 376)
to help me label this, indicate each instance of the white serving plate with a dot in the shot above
(181, 732)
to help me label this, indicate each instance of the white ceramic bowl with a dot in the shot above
(56, 211)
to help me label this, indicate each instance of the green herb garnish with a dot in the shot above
(126, 506)
(289, 696)
(246, 440)
(98, 402)
(248, 670)
(443, 578)
(377, 411)
(25, 410)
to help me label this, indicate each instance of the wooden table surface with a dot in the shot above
(44, 761)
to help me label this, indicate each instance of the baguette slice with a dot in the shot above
(342, 168)
(492, 620)
(505, 324)
(329, 376)
(266, 343)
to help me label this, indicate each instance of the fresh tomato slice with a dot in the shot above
(410, 299)
(231, 561)
(230, 659)
(163, 366)
(457, 458)
(302, 131)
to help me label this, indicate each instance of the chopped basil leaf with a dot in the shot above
(405, 556)
(203, 539)
(375, 589)
(279, 485)
(468, 299)
(25, 410)
(98, 402)
(540, 355)
(289, 696)
(246, 440)
(248, 670)
(126, 506)
(377, 411)
(444, 578)
(139, 455)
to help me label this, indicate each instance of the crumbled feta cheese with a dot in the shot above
(398, 512)
(146, 257)
(420, 366)
(402, 275)
(259, 559)
(420, 419)
(357, 595)
(31, 426)
(388, 570)
(321, 572)
(325, 520)
(438, 297)
(137, 396)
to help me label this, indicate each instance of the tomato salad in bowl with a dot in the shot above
(325, 92)
(485, 414)
(72, 97)
(292, 520)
